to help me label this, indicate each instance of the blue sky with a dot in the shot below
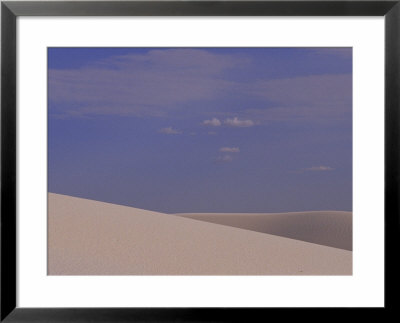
(202, 129)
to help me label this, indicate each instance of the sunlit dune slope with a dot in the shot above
(88, 237)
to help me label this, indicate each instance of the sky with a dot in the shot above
(180, 130)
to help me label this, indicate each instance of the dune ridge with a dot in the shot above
(88, 237)
(329, 228)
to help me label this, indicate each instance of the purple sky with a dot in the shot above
(202, 129)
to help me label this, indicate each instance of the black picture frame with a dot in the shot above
(11, 10)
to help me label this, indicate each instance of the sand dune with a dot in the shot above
(329, 228)
(87, 237)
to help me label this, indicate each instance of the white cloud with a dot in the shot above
(224, 159)
(314, 97)
(316, 90)
(163, 81)
(152, 83)
(229, 149)
(236, 122)
(170, 131)
(319, 169)
(214, 122)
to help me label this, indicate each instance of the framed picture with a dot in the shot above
(175, 160)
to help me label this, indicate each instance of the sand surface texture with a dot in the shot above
(88, 237)
(329, 228)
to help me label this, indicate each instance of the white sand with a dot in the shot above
(95, 238)
(329, 228)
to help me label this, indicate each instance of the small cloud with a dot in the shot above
(319, 169)
(236, 122)
(211, 133)
(229, 150)
(214, 122)
(193, 134)
(224, 159)
(170, 131)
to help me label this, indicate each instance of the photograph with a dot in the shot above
(199, 161)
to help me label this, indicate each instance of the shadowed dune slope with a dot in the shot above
(329, 228)
(88, 237)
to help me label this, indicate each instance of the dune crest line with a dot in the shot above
(329, 228)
